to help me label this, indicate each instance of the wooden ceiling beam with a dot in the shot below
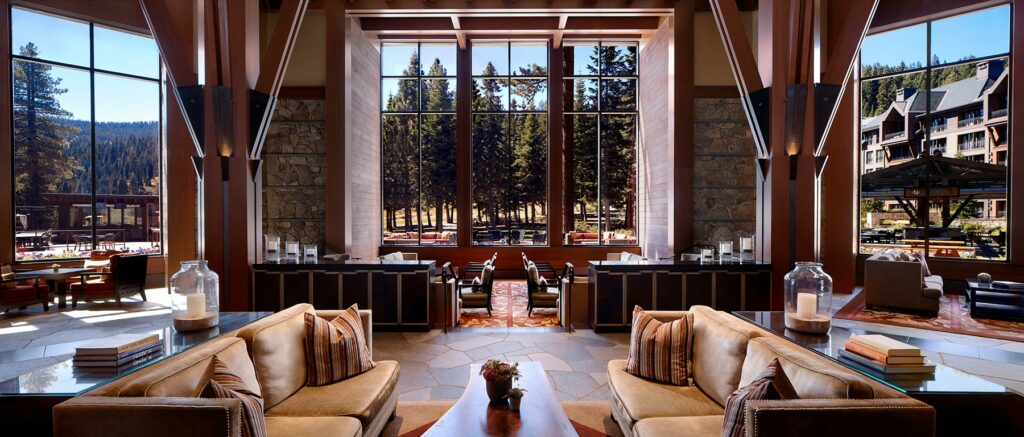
(274, 62)
(737, 46)
(859, 16)
(460, 36)
(510, 23)
(369, 24)
(612, 23)
(176, 58)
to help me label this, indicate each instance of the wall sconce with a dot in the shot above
(223, 119)
(796, 108)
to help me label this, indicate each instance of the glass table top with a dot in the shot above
(945, 379)
(64, 378)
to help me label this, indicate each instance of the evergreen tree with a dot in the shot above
(400, 153)
(41, 130)
(438, 145)
(491, 158)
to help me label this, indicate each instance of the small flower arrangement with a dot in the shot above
(497, 371)
(55, 266)
(516, 392)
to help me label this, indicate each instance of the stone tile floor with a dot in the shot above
(435, 365)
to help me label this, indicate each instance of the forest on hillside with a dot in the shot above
(877, 94)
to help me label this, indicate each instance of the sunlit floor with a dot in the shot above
(435, 365)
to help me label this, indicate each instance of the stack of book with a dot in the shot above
(118, 353)
(884, 355)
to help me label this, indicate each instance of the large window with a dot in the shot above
(600, 118)
(87, 138)
(934, 115)
(418, 143)
(510, 142)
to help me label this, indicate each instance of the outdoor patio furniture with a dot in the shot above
(109, 241)
(82, 241)
(127, 277)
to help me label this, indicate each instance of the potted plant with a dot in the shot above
(499, 377)
(515, 396)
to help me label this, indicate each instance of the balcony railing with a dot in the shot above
(888, 137)
(938, 128)
(997, 113)
(969, 122)
(971, 145)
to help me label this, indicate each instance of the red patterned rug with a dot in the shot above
(509, 294)
(954, 316)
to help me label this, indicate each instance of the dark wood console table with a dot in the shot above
(615, 287)
(398, 292)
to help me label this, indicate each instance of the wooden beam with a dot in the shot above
(460, 36)
(737, 46)
(334, 127)
(857, 21)
(682, 119)
(370, 24)
(177, 58)
(611, 23)
(557, 36)
(279, 50)
(115, 13)
(6, 143)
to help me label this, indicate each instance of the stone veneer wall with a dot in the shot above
(725, 176)
(294, 172)
(655, 142)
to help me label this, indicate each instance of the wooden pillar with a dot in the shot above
(179, 210)
(464, 146)
(1015, 207)
(557, 197)
(334, 127)
(682, 134)
(6, 146)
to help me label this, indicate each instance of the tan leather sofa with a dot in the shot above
(900, 284)
(729, 353)
(162, 399)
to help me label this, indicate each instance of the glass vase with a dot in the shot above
(271, 248)
(808, 298)
(747, 242)
(725, 251)
(195, 297)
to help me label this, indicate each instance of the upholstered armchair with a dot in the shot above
(542, 293)
(127, 277)
(20, 292)
(475, 294)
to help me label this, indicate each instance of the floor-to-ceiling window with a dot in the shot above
(87, 139)
(600, 120)
(510, 142)
(934, 111)
(418, 143)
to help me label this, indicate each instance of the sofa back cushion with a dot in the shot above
(185, 374)
(277, 346)
(719, 347)
(813, 377)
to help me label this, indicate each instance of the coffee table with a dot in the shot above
(55, 279)
(540, 413)
(964, 403)
(995, 303)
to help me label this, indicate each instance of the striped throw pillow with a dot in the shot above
(337, 349)
(771, 384)
(660, 351)
(225, 384)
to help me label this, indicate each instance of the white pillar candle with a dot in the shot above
(707, 253)
(272, 245)
(726, 248)
(293, 247)
(746, 244)
(196, 305)
(806, 305)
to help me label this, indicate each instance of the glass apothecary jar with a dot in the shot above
(725, 251)
(747, 244)
(808, 298)
(195, 297)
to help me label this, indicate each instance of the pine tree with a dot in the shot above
(41, 130)
(438, 145)
(400, 153)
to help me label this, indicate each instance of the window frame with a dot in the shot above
(928, 117)
(420, 79)
(92, 71)
(599, 113)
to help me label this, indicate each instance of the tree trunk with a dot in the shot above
(408, 219)
(439, 213)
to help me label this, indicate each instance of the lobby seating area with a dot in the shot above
(406, 218)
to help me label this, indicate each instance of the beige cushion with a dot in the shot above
(642, 398)
(919, 257)
(473, 298)
(185, 374)
(546, 296)
(361, 396)
(719, 348)
(277, 346)
(811, 376)
(681, 426)
(931, 292)
(934, 280)
(485, 276)
(319, 426)
(532, 273)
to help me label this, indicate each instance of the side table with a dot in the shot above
(993, 302)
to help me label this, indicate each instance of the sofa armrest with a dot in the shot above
(365, 316)
(840, 417)
(99, 416)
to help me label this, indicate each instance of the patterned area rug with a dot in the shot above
(954, 316)
(509, 294)
(413, 419)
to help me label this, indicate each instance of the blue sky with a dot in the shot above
(978, 34)
(67, 41)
